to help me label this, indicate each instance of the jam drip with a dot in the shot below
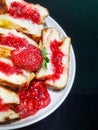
(24, 11)
(56, 59)
(33, 99)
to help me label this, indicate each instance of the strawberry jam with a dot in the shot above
(33, 99)
(9, 69)
(0, 101)
(56, 59)
(13, 41)
(3, 108)
(25, 11)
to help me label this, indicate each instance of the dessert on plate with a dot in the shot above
(33, 59)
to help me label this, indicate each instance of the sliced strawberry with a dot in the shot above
(29, 58)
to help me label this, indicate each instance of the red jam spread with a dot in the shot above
(3, 108)
(24, 11)
(56, 59)
(8, 69)
(0, 101)
(33, 99)
(13, 41)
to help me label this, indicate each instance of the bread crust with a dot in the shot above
(3, 7)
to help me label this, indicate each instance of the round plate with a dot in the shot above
(57, 97)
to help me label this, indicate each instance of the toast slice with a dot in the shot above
(23, 16)
(48, 35)
(62, 81)
(12, 40)
(56, 73)
(39, 12)
(12, 76)
(24, 26)
(8, 99)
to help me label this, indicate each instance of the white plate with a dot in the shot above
(57, 98)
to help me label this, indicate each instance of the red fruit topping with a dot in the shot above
(0, 101)
(29, 58)
(33, 99)
(56, 58)
(3, 107)
(25, 11)
(9, 69)
(13, 41)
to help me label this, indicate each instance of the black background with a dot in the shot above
(79, 19)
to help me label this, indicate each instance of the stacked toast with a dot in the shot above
(22, 27)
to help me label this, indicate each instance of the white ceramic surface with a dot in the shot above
(57, 98)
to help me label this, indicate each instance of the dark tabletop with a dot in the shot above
(79, 19)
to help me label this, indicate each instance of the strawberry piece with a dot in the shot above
(29, 58)
(32, 99)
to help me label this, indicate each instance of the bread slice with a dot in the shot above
(8, 96)
(49, 35)
(8, 115)
(25, 25)
(15, 80)
(40, 9)
(10, 77)
(62, 81)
